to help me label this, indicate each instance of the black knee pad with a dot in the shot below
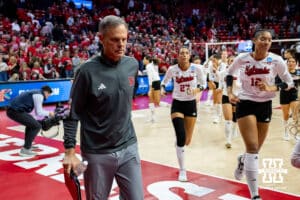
(178, 124)
(233, 117)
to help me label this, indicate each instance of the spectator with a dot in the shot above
(37, 71)
(76, 60)
(66, 67)
(3, 69)
(13, 69)
(49, 70)
(25, 71)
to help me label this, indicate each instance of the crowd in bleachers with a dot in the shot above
(51, 43)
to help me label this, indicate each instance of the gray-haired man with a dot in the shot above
(101, 100)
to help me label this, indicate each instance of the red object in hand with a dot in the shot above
(73, 185)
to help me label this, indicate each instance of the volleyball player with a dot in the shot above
(295, 158)
(216, 67)
(227, 107)
(257, 71)
(189, 79)
(197, 60)
(154, 85)
(289, 99)
(206, 68)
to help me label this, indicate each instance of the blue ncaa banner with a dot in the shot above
(143, 85)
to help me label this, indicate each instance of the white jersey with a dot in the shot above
(222, 83)
(205, 68)
(185, 81)
(250, 71)
(152, 73)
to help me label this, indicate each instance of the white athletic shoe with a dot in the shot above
(286, 136)
(208, 103)
(151, 119)
(216, 120)
(164, 104)
(182, 176)
(239, 171)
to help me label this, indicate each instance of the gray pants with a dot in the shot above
(124, 166)
(295, 159)
(32, 126)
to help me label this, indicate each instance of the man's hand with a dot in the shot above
(70, 160)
